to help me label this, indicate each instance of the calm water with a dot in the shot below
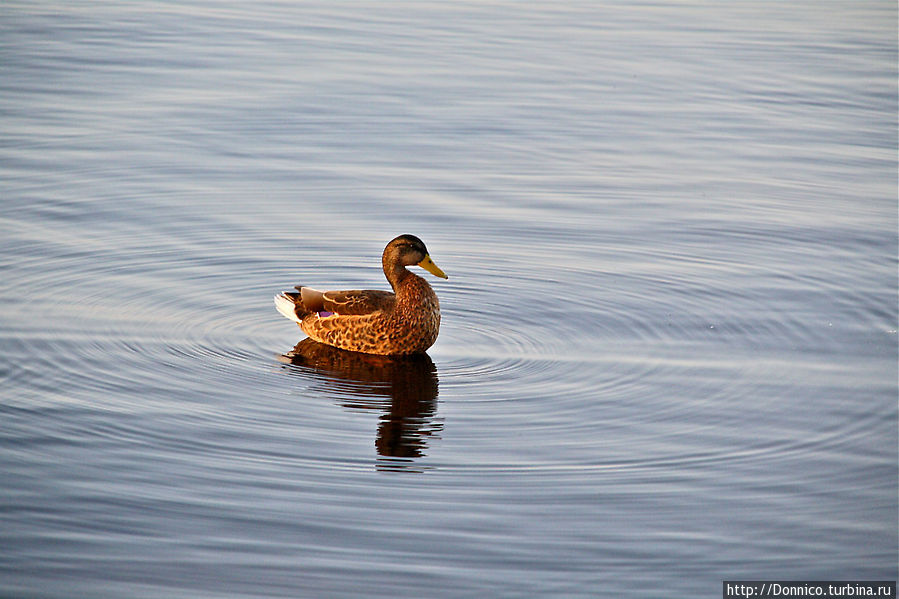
(669, 348)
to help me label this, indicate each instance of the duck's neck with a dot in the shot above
(396, 273)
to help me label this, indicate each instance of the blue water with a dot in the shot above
(668, 354)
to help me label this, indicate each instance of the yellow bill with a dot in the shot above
(432, 268)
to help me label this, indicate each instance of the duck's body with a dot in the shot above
(406, 321)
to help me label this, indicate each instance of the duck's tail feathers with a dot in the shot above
(287, 306)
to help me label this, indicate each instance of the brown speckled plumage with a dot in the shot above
(406, 321)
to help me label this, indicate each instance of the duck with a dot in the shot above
(399, 322)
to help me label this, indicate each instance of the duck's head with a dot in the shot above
(409, 250)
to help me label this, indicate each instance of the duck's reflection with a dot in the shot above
(404, 387)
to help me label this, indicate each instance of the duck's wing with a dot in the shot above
(358, 301)
(351, 302)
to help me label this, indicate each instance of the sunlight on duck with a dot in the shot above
(405, 321)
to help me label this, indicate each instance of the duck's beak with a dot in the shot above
(432, 268)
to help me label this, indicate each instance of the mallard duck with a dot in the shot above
(375, 322)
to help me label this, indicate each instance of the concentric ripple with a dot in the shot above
(571, 355)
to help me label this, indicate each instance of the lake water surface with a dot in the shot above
(668, 354)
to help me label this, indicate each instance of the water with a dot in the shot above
(668, 354)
